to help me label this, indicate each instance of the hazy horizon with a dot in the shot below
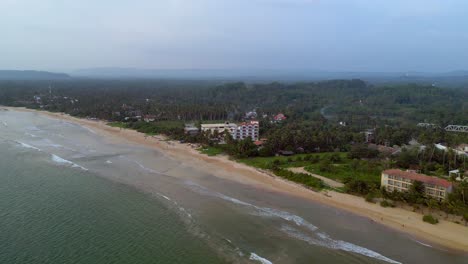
(317, 35)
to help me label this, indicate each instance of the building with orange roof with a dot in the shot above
(399, 180)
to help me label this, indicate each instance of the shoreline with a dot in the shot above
(446, 235)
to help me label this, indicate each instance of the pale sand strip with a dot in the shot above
(445, 234)
(327, 181)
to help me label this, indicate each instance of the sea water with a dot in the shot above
(70, 195)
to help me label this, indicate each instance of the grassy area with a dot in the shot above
(364, 170)
(336, 166)
(153, 128)
(211, 151)
(298, 160)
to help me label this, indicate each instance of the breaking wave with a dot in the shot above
(31, 135)
(256, 257)
(260, 211)
(24, 145)
(62, 161)
(325, 240)
(319, 239)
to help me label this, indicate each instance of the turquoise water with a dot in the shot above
(63, 215)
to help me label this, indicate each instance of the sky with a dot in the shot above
(328, 35)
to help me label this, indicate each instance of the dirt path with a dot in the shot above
(327, 181)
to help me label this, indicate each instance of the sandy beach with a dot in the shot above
(445, 234)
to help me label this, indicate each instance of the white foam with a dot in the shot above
(31, 135)
(421, 243)
(256, 257)
(24, 145)
(89, 129)
(33, 128)
(109, 162)
(325, 241)
(261, 211)
(299, 221)
(141, 166)
(62, 161)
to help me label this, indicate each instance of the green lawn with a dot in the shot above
(286, 162)
(338, 169)
(361, 170)
(211, 151)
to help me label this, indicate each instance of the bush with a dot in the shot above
(370, 198)
(359, 187)
(430, 219)
(362, 151)
(300, 178)
(386, 203)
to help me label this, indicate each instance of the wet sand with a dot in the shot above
(445, 234)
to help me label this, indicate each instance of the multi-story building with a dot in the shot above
(241, 131)
(398, 180)
(247, 129)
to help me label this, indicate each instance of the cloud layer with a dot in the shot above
(357, 35)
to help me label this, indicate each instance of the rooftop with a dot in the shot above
(419, 177)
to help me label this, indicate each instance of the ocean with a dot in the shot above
(70, 195)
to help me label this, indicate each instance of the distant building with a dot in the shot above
(398, 180)
(385, 150)
(220, 128)
(279, 117)
(463, 147)
(190, 129)
(249, 129)
(244, 130)
(285, 153)
(369, 135)
(251, 115)
(149, 118)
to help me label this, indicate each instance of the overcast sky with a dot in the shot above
(334, 35)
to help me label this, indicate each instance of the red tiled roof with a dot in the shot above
(258, 142)
(419, 177)
(280, 116)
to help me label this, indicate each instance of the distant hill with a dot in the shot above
(443, 79)
(31, 75)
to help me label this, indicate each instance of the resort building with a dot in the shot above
(398, 180)
(244, 130)
(191, 129)
(279, 117)
(247, 129)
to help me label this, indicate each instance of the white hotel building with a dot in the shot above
(237, 131)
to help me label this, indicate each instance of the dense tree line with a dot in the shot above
(313, 109)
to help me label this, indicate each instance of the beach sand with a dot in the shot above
(446, 234)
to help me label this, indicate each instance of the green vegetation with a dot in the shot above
(370, 198)
(313, 110)
(211, 151)
(386, 203)
(159, 127)
(430, 219)
(298, 160)
(301, 178)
